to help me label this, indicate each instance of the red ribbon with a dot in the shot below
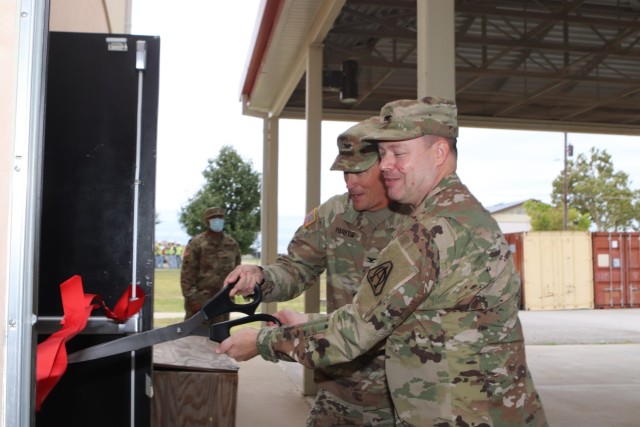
(51, 355)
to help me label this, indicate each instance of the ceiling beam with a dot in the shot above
(319, 29)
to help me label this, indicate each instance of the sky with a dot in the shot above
(204, 49)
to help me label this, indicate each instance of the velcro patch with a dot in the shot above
(345, 232)
(394, 269)
(311, 217)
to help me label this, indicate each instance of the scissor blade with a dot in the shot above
(138, 341)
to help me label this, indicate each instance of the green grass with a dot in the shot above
(168, 295)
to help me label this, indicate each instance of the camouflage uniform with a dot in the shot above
(444, 294)
(207, 260)
(345, 243)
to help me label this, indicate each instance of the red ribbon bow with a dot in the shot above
(51, 355)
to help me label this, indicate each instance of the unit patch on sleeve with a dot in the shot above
(394, 269)
(377, 277)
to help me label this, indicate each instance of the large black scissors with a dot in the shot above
(220, 303)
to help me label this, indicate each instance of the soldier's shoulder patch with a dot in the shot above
(377, 277)
(394, 269)
(311, 217)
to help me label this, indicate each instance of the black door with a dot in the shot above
(98, 184)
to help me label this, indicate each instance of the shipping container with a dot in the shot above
(515, 246)
(616, 269)
(557, 270)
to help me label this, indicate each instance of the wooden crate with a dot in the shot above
(193, 386)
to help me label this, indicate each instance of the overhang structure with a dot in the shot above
(560, 65)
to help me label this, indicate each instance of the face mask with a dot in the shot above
(216, 224)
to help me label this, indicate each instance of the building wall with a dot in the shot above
(514, 227)
(90, 16)
(512, 223)
(8, 64)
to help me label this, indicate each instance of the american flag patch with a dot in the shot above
(311, 217)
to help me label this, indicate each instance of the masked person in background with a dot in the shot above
(343, 236)
(206, 261)
(442, 297)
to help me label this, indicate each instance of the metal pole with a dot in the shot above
(141, 65)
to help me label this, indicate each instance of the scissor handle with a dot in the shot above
(218, 332)
(221, 303)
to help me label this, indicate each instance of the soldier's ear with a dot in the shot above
(440, 150)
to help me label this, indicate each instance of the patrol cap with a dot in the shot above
(410, 118)
(355, 155)
(211, 212)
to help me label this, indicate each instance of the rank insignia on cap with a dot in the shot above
(311, 217)
(377, 277)
(345, 148)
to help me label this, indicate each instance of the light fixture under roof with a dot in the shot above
(349, 84)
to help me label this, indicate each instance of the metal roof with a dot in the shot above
(570, 65)
(505, 206)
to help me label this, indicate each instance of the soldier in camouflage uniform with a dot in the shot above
(207, 260)
(444, 293)
(343, 236)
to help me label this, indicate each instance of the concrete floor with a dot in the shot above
(585, 364)
(588, 385)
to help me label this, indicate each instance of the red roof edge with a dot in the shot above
(271, 10)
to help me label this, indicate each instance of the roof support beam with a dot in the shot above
(269, 205)
(314, 154)
(436, 48)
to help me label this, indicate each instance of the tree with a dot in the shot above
(594, 187)
(545, 217)
(636, 209)
(232, 184)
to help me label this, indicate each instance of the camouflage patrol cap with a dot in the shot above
(211, 212)
(410, 118)
(355, 155)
